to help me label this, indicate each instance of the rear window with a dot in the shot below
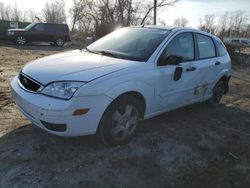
(206, 46)
(220, 48)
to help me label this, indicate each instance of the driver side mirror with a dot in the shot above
(174, 60)
(170, 60)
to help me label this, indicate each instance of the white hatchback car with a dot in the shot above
(130, 74)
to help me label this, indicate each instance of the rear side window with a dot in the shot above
(49, 28)
(61, 28)
(220, 48)
(205, 46)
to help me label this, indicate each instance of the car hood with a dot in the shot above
(76, 65)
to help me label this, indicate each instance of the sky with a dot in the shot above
(190, 9)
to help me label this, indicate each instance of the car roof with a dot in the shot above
(176, 29)
(49, 23)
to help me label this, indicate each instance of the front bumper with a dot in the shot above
(39, 109)
(10, 37)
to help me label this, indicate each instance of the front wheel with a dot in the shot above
(21, 40)
(120, 121)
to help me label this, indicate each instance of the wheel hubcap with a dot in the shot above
(21, 40)
(59, 42)
(124, 122)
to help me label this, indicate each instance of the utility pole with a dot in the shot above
(155, 4)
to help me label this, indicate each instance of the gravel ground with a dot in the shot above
(195, 146)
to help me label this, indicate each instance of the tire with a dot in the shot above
(59, 42)
(218, 91)
(120, 121)
(21, 40)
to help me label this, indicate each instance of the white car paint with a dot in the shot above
(106, 78)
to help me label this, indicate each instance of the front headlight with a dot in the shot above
(10, 33)
(63, 90)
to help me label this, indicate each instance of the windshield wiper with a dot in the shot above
(107, 53)
(102, 52)
(86, 48)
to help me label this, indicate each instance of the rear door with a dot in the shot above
(51, 32)
(223, 59)
(208, 65)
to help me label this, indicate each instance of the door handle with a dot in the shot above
(217, 63)
(190, 69)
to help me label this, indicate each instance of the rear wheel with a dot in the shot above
(59, 42)
(120, 121)
(21, 40)
(218, 91)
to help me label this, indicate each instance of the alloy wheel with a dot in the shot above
(59, 42)
(21, 40)
(124, 122)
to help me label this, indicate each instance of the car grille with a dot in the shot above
(28, 84)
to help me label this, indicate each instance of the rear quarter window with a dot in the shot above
(56, 28)
(61, 28)
(221, 50)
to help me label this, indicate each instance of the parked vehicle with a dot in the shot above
(237, 41)
(90, 40)
(130, 74)
(40, 32)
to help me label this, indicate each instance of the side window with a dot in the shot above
(206, 46)
(181, 48)
(48, 27)
(220, 48)
(39, 27)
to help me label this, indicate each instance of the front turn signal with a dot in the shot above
(79, 112)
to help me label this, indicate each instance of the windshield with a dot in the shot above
(28, 27)
(130, 43)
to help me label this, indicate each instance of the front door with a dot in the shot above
(177, 73)
(38, 33)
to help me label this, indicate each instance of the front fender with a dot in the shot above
(134, 86)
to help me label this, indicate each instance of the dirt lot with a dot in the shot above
(195, 146)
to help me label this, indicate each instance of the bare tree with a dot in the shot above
(223, 24)
(8, 12)
(32, 15)
(207, 24)
(2, 12)
(85, 15)
(239, 21)
(181, 22)
(76, 12)
(54, 12)
(162, 22)
(162, 3)
(16, 13)
(233, 24)
(247, 31)
(102, 16)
